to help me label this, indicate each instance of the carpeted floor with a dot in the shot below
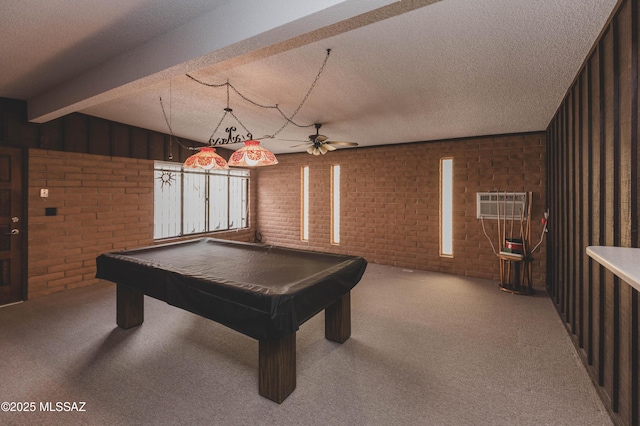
(426, 349)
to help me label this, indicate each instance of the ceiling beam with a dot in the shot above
(238, 28)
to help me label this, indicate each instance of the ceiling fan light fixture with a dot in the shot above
(320, 145)
(206, 159)
(252, 155)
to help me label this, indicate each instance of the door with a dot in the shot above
(11, 220)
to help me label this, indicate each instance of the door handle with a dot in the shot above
(14, 232)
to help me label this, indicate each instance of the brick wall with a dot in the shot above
(390, 201)
(103, 204)
(390, 206)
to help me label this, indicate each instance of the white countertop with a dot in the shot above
(622, 261)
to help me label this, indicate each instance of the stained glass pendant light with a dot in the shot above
(252, 155)
(207, 159)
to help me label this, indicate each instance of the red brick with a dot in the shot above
(390, 200)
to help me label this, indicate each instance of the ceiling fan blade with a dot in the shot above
(328, 147)
(341, 143)
(293, 140)
(295, 146)
(319, 138)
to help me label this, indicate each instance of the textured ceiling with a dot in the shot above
(399, 71)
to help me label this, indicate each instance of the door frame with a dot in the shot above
(24, 197)
(24, 219)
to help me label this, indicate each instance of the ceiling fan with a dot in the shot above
(320, 144)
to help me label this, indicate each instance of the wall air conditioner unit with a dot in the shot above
(491, 205)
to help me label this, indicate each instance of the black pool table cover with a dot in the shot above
(264, 292)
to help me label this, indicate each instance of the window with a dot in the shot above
(446, 207)
(304, 220)
(195, 201)
(335, 204)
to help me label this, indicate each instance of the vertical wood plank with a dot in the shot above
(157, 148)
(120, 140)
(573, 226)
(590, 211)
(635, 359)
(615, 209)
(99, 136)
(566, 213)
(52, 135)
(139, 143)
(634, 214)
(564, 163)
(549, 194)
(594, 181)
(601, 213)
(634, 332)
(610, 98)
(580, 256)
(76, 133)
(624, 205)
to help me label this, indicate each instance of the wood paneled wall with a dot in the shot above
(88, 135)
(592, 196)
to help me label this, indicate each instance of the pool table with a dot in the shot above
(264, 292)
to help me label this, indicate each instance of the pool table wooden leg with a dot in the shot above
(277, 368)
(337, 320)
(129, 306)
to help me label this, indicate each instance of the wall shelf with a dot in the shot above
(622, 261)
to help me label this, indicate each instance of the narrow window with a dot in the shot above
(446, 207)
(304, 222)
(335, 204)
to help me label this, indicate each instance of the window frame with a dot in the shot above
(235, 183)
(446, 208)
(335, 204)
(304, 203)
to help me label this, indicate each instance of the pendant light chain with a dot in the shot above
(313, 85)
(251, 154)
(288, 120)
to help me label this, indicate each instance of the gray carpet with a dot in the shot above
(426, 349)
